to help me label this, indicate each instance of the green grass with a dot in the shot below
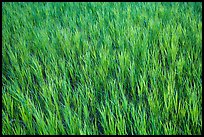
(102, 68)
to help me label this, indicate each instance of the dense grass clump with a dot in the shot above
(102, 68)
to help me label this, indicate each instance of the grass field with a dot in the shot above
(102, 68)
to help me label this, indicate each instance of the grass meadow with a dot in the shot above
(101, 68)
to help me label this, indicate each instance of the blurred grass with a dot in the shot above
(101, 68)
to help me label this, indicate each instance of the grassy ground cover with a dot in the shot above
(101, 68)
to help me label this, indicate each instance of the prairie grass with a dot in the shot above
(101, 68)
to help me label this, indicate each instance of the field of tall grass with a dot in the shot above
(101, 68)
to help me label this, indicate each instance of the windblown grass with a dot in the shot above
(102, 68)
